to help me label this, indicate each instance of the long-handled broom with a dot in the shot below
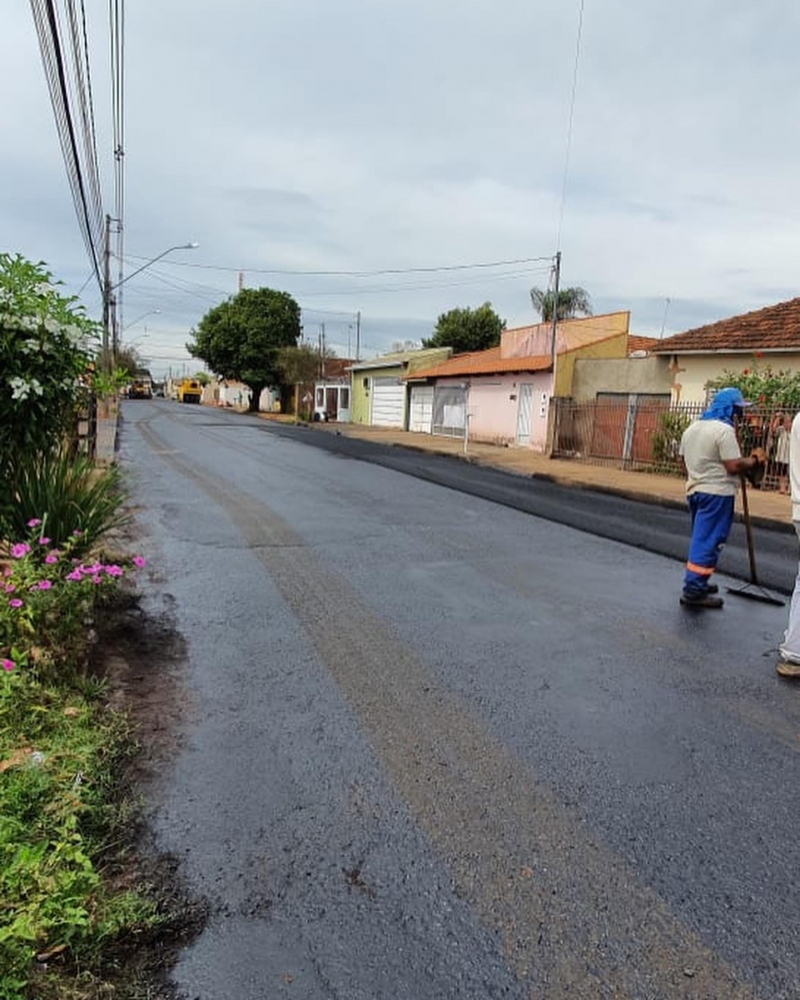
(752, 590)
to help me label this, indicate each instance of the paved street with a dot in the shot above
(437, 747)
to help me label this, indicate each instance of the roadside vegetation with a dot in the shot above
(63, 906)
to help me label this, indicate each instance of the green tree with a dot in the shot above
(129, 360)
(299, 365)
(242, 337)
(46, 348)
(572, 302)
(467, 329)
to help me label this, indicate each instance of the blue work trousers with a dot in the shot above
(712, 517)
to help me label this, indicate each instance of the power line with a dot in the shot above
(71, 110)
(570, 124)
(360, 274)
(426, 286)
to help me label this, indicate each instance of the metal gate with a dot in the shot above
(449, 410)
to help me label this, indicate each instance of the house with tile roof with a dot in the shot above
(765, 337)
(503, 395)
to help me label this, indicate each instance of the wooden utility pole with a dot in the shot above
(358, 335)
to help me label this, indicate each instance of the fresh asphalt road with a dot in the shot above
(439, 748)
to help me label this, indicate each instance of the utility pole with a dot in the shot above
(664, 320)
(322, 351)
(241, 280)
(556, 283)
(107, 296)
(358, 335)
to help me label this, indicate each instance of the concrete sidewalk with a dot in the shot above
(767, 508)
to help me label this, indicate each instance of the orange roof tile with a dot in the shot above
(774, 328)
(482, 363)
(636, 343)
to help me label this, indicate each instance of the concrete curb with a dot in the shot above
(768, 523)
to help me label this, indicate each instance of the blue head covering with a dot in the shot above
(724, 405)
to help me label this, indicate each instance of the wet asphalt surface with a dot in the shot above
(437, 747)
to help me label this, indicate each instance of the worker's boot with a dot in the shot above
(706, 599)
(788, 669)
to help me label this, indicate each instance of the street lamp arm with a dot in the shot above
(182, 246)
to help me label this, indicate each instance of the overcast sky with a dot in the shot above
(370, 134)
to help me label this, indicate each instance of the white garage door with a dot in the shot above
(388, 396)
(421, 408)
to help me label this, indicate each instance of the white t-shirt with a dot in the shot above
(705, 445)
(794, 467)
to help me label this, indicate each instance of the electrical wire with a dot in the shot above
(65, 62)
(570, 124)
(357, 274)
(425, 286)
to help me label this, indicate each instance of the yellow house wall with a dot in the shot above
(360, 395)
(691, 372)
(405, 363)
(611, 347)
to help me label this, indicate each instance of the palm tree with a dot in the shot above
(572, 302)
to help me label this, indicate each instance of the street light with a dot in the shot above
(181, 246)
(150, 312)
(109, 289)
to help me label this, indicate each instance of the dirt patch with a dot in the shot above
(142, 657)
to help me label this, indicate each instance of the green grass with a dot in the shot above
(57, 819)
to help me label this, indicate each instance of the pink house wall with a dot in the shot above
(493, 406)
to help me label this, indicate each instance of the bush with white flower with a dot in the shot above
(46, 348)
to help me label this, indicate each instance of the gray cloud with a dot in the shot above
(305, 135)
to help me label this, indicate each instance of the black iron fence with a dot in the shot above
(645, 436)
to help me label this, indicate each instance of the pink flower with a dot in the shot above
(139, 561)
(113, 570)
(75, 575)
(94, 568)
(77, 533)
(97, 578)
(9, 588)
(44, 541)
(44, 584)
(7, 664)
(51, 557)
(7, 571)
(15, 602)
(20, 550)
(34, 522)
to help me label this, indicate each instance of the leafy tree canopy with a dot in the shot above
(467, 329)
(299, 364)
(242, 337)
(572, 302)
